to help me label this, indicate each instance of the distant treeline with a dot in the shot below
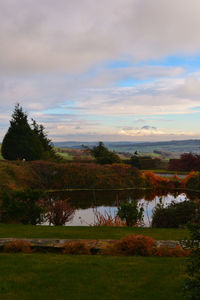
(144, 147)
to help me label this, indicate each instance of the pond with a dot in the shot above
(88, 204)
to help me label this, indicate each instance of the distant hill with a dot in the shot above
(143, 147)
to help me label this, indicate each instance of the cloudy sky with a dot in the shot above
(111, 70)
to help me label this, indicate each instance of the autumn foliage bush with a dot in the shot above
(59, 212)
(192, 181)
(17, 246)
(76, 247)
(158, 182)
(143, 246)
(133, 245)
(171, 252)
(107, 219)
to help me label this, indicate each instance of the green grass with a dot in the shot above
(78, 232)
(1, 157)
(65, 155)
(51, 276)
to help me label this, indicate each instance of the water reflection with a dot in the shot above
(87, 202)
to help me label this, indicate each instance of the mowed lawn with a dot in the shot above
(54, 276)
(84, 232)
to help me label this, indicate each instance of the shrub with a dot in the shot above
(22, 206)
(171, 252)
(76, 248)
(175, 214)
(107, 219)
(192, 181)
(130, 213)
(133, 245)
(17, 246)
(192, 280)
(59, 212)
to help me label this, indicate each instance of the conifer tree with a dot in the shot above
(49, 152)
(20, 141)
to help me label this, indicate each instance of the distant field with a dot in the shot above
(65, 155)
(142, 147)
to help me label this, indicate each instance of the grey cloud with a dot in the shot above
(147, 127)
(127, 128)
(73, 35)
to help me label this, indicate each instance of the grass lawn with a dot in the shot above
(84, 232)
(51, 276)
(1, 157)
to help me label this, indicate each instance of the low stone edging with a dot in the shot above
(56, 245)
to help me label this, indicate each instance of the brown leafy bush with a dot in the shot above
(171, 252)
(17, 246)
(76, 248)
(107, 219)
(59, 212)
(132, 245)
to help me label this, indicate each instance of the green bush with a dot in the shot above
(175, 214)
(130, 213)
(22, 206)
(192, 280)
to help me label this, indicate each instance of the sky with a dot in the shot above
(109, 70)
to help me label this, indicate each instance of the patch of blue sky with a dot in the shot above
(196, 108)
(131, 82)
(58, 111)
(190, 62)
(116, 64)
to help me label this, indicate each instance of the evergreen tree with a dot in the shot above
(21, 142)
(49, 152)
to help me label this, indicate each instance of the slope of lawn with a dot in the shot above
(1, 157)
(51, 276)
(84, 232)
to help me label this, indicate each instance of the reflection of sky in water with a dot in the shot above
(86, 217)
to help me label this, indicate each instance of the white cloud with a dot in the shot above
(149, 131)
